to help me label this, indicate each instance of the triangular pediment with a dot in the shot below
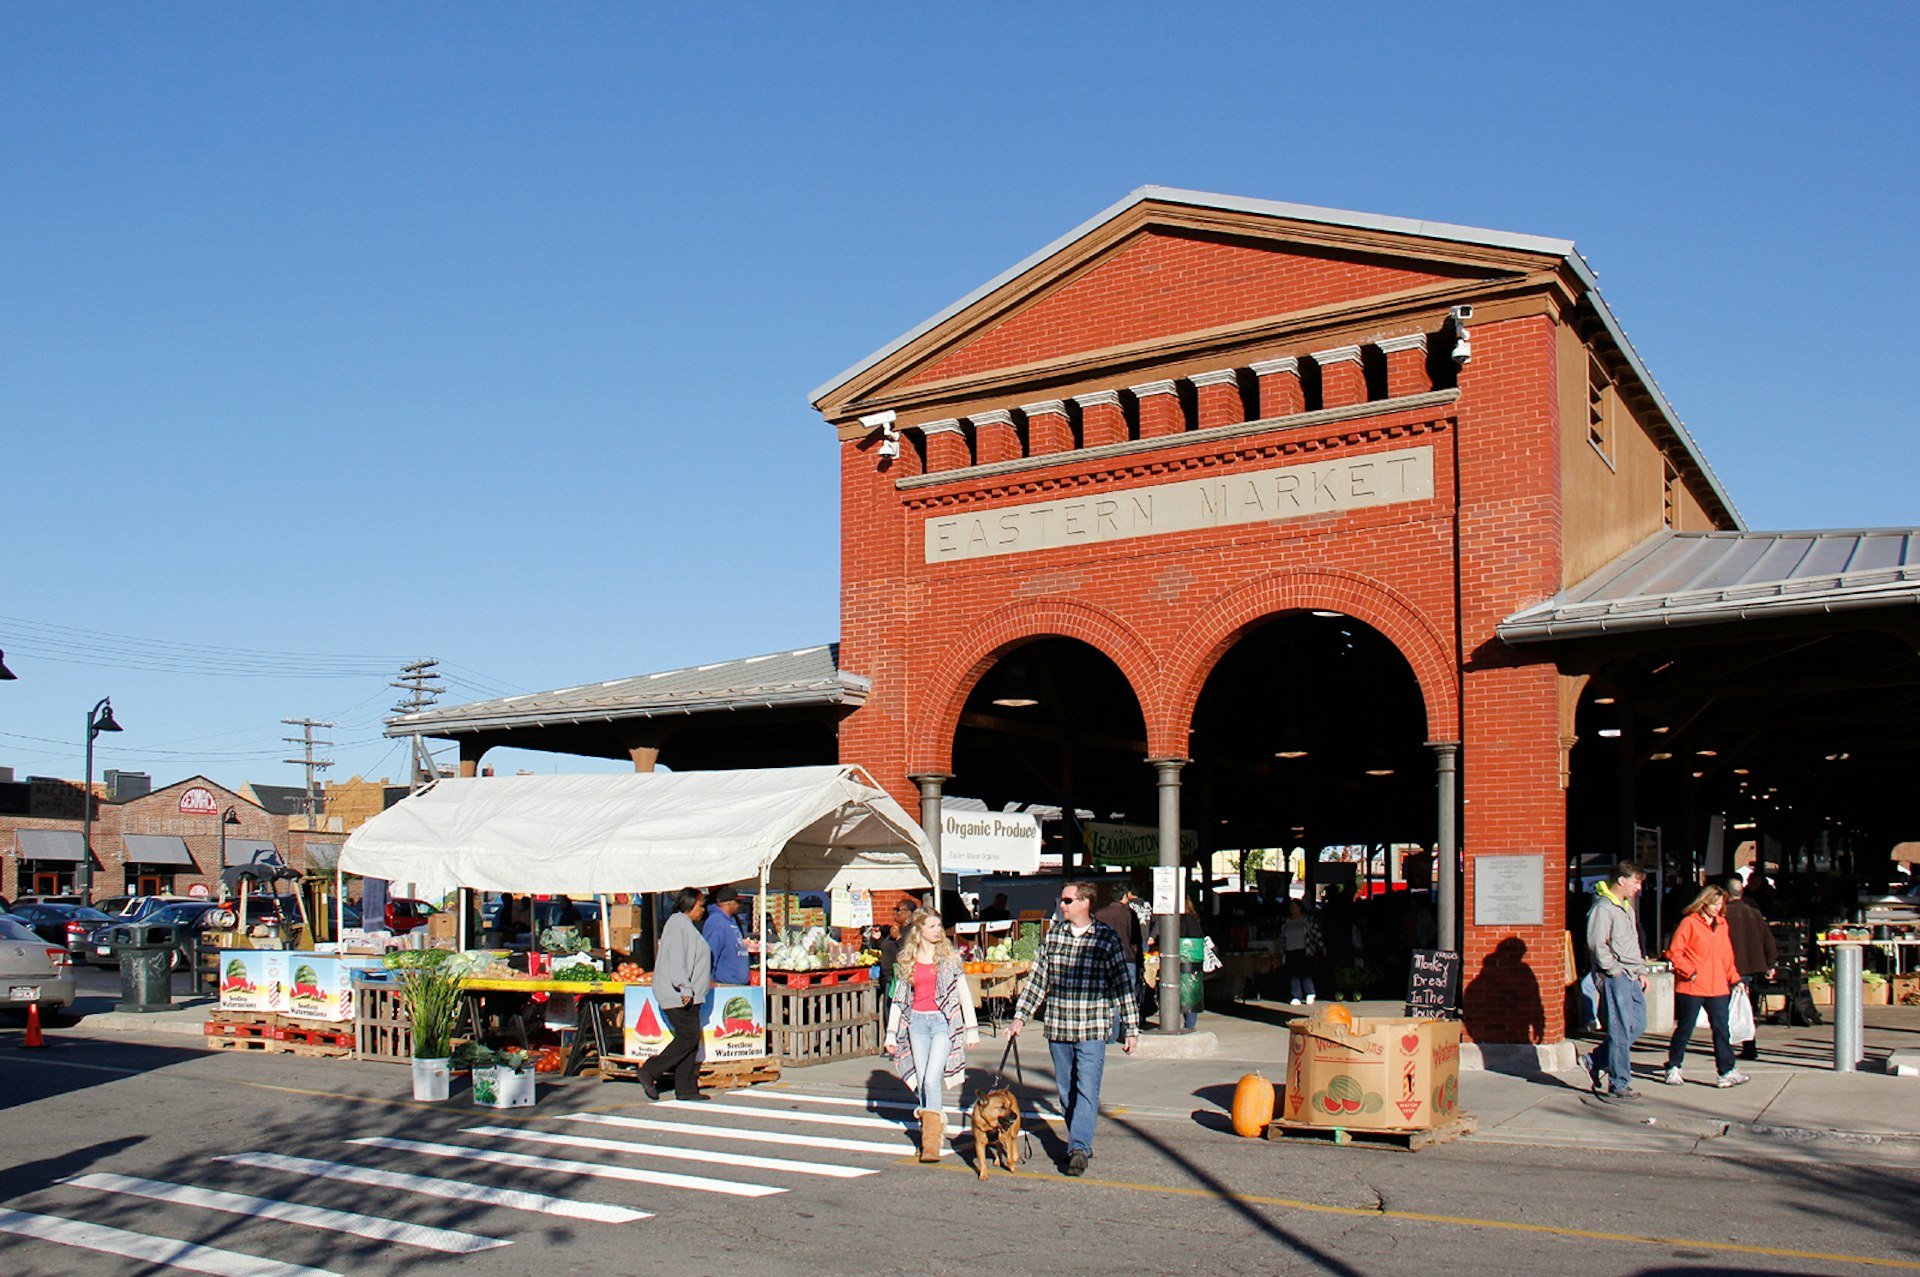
(1159, 271)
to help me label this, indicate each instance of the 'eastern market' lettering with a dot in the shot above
(1257, 496)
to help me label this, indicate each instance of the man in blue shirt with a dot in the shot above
(722, 933)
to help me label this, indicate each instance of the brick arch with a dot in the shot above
(1220, 625)
(952, 681)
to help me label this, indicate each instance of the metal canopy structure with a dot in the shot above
(1707, 578)
(779, 709)
(51, 844)
(1772, 678)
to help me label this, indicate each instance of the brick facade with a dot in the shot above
(155, 813)
(1168, 334)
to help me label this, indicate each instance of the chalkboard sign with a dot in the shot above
(1433, 985)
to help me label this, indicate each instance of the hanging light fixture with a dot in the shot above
(1018, 690)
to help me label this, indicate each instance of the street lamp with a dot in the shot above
(99, 719)
(227, 817)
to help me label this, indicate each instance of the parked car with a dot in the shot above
(32, 971)
(405, 914)
(135, 906)
(188, 918)
(62, 924)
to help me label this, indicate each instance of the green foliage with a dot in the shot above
(1027, 946)
(430, 990)
(563, 940)
(579, 973)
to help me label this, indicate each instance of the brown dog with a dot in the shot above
(996, 1125)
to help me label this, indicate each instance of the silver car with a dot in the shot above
(31, 970)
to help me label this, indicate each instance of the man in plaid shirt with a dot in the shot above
(1080, 983)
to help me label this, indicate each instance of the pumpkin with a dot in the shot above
(1252, 1106)
(1338, 1015)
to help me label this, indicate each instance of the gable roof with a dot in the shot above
(1703, 578)
(1478, 237)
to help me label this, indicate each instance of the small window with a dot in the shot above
(1599, 410)
(1669, 493)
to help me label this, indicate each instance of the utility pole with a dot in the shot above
(420, 680)
(312, 764)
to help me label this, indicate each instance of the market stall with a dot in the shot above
(812, 829)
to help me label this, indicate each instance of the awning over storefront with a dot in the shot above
(52, 844)
(158, 849)
(251, 851)
(655, 831)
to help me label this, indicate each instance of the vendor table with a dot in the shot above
(594, 1000)
(994, 990)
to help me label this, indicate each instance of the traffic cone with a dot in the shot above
(34, 1036)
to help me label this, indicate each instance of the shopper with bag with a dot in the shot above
(1756, 953)
(1704, 978)
(931, 1024)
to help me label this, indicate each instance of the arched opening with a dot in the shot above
(1054, 722)
(1309, 758)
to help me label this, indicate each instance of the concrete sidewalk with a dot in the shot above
(1796, 1106)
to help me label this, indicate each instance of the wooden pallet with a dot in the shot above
(1411, 1140)
(725, 1075)
(822, 1024)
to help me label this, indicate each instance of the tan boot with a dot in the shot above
(933, 1134)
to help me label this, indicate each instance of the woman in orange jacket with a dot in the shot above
(1703, 976)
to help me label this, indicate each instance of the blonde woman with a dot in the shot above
(931, 1024)
(1704, 974)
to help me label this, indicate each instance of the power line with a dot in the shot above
(311, 763)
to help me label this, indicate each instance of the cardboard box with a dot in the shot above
(1906, 989)
(1385, 1074)
(443, 926)
(1821, 992)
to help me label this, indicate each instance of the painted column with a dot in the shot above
(1217, 396)
(994, 437)
(1446, 848)
(1343, 379)
(1280, 393)
(930, 784)
(1159, 408)
(946, 446)
(1048, 430)
(1167, 777)
(1406, 364)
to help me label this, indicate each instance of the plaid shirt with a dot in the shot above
(1081, 983)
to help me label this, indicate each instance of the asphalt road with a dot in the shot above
(112, 1143)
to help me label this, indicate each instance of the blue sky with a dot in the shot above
(333, 336)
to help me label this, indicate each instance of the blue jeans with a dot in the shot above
(1686, 1015)
(1625, 1007)
(929, 1037)
(1077, 1067)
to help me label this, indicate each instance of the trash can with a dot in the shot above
(146, 965)
(1193, 953)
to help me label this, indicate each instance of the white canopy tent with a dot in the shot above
(826, 827)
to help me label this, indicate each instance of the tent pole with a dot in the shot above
(339, 901)
(760, 923)
(606, 925)
(460, 932)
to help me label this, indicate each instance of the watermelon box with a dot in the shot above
(1377, 1075)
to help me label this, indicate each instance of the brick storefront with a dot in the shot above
(1182, 337)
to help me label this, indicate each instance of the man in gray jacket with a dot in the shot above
(682, 974)
(1613, 942)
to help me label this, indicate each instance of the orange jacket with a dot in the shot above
(1702, 957)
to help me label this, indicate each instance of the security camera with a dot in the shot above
(1461, 313)
(1462, 349)
(879, 420)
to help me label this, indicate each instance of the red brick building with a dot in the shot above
(1166, 453)
(166, 842)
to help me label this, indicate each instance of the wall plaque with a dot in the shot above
(1509, 891)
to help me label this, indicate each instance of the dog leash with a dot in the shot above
(1020, 1079)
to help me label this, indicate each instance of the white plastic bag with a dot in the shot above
(1210, 961)
(1740, 1026)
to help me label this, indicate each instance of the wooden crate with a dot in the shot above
(381, 1029)
(815, 1025)
(726, 1075)
(1410, 1140)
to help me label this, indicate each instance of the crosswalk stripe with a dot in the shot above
(860, 1102)
(743, 1161)
(741, 1133)
(434, 1186)
(666, 1179)
(446, 1240)
(820, 1119)
(148, 1249)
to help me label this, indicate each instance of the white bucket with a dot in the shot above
(432, 1079)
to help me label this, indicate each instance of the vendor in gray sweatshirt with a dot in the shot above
(682, 974)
